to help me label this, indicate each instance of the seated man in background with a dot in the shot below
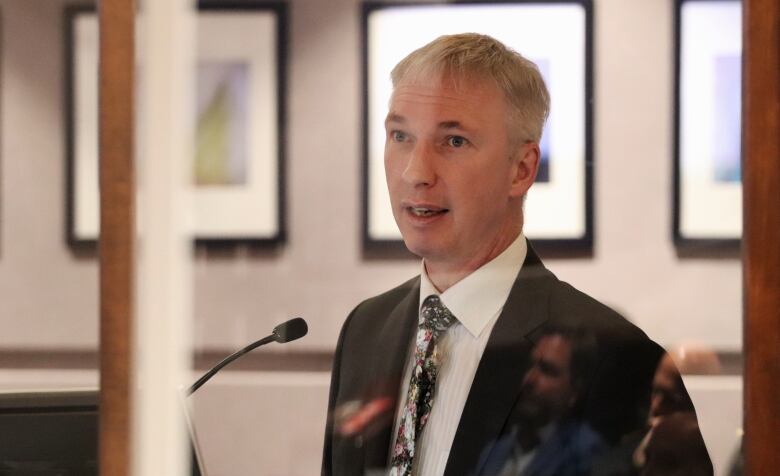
(550, 436)
(428, 377)
(670, 443)
(673, 444)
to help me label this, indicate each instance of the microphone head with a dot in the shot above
(290, 330)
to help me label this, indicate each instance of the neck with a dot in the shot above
(444, 278)
(444, 274)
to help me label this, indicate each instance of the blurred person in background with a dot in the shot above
(550, 436)
(671, 442)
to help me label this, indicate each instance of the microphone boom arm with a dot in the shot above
(284, 332)
(230, 358)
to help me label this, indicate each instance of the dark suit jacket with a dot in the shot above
(374, 344)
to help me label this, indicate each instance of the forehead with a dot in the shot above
(667, 372)
(447, 96)
(553, 348)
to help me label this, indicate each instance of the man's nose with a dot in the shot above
(656, 404)
(420, 169)
(530, 378)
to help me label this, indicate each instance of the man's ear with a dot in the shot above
(524, 169)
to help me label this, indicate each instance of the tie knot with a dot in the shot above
(434, 315)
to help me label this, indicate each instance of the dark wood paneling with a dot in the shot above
(117, 224)
(761, 236)
(731, 363)
(308, 361)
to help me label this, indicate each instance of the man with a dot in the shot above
(673, 444)
(427, 376)
(550, 436)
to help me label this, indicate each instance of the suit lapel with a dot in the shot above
(388, 365)
(497, 382)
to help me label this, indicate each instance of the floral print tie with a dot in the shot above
(434, 320)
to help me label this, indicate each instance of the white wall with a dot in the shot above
(48, 297)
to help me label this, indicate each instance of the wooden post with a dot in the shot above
(117, 225)
(761, 235)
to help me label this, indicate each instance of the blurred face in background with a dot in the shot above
(668, 394)
(548, 392)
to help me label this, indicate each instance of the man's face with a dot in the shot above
(548, 392)
(455, 184)
(667, 395)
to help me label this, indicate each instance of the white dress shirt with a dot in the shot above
(476, 302)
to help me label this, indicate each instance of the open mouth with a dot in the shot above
(427, 212)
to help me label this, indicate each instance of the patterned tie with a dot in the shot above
(434, 320)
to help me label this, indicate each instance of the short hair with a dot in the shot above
(475, 56)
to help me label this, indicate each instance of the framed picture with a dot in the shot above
(707, 178)
(557, 36)
(238, 163)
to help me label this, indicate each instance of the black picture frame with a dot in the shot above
(78, 239)
(579, 244)
(698, 191)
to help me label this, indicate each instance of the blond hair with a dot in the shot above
(475, 56)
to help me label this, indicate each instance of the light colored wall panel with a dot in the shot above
(48, 297)
(718, 403)
(262, 423)
(273, 423)
(38, 379)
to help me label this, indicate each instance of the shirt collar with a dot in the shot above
(475, 299)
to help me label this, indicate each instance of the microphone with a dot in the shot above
(290, 330)
(283, 333)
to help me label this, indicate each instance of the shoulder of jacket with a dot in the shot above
(388, 298)
(570, 301)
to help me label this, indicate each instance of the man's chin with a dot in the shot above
(422, 248)
(534, 413)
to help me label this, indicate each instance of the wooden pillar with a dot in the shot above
(117, 225)
(761, 236)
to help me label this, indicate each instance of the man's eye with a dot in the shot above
(456, 141)
(549, 370)
(398, 136)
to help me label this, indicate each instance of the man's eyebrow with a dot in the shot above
(399, 119)
(393, 117)
(450, 125)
